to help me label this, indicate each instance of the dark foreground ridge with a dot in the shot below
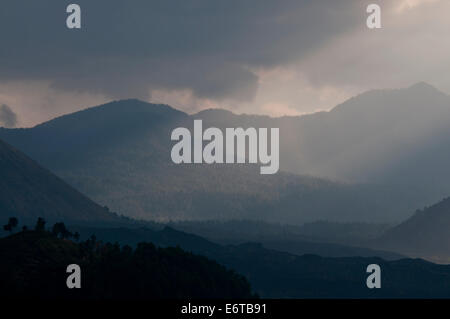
(33, 265)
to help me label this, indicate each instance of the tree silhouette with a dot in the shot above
(60, 230)
(111, 272)
(40, 224)
(12, 223)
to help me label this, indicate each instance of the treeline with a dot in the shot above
(34, 265)
(59, 230)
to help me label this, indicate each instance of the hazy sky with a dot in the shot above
(272, 57)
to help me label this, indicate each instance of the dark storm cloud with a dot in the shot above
(126, 48)
(7, 117)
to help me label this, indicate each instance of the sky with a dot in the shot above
(286, 57)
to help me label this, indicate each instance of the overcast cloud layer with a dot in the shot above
(255, 56)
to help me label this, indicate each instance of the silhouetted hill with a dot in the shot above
(275, 274)
(34, 265)
(163, 237)
(321, 238)
(201, 242)
(426, 234)
(28, 191)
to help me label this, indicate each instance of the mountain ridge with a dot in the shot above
(121, 165)
(425, 234)
(29, 191)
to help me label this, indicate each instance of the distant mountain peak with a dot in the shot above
(119, 111)
(422, 86)
(214, 112)
(133, 104)
(380, 98)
